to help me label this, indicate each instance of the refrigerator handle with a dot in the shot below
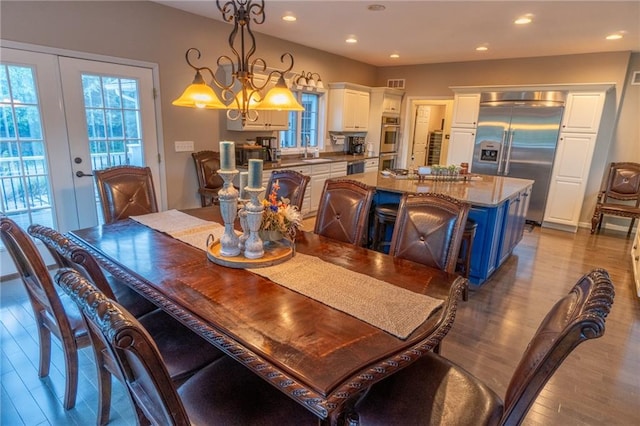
(504, 137)
(508, 159)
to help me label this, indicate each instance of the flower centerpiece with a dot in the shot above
(279, 218)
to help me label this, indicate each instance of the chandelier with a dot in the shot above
(242, 95)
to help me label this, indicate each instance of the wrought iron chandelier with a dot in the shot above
(244, 102)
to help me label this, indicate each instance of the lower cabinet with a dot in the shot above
(371, 165)
(319, 174)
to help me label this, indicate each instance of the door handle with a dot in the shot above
(80, 173)
(508, 159)
(504, 137)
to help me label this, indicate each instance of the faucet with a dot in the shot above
(306, 146)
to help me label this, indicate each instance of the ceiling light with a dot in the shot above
(351, 39)
(523, 20)
(243, 101)
(482, 48)
(616, 36)
(289, 17)
(376, 7)
(394, 56)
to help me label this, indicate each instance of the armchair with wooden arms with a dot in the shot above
(621, 188)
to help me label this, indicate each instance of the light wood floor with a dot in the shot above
(599, 384)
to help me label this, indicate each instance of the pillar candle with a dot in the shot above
(227, 155)
(243, 182)
(255, 173)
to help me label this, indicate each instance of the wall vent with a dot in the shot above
(635, 79)
(396, 83)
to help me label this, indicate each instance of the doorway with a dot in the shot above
(427, 129)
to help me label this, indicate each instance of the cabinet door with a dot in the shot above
(461, 146)
(391, 104)
(569, 178)
(583, 111)
(371, 165)
(338, 169)
(319, 174)
(361, 113)
(465, 110)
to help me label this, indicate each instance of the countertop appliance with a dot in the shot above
(246, 152)
(356, 144)
(270, 143)
(516, 136)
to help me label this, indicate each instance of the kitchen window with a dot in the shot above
(304, 126)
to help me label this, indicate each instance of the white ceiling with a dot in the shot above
(423, 32)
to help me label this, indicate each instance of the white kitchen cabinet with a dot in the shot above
(319, 174)
(267, 120)
(338, 169)
(583, 112)
(348, 109)
(635, 260)
(466, 107)
(391, 103)
(371, 165)
(569, 179)
(461, 143)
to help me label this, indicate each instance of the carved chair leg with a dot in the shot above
(633, 220)
(104, 390)
(44, 335)
(596, 220)
(71, 382)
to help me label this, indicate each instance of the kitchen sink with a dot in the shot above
(316, 160)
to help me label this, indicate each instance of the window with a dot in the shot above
(304, 128)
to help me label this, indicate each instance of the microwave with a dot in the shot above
(246, 152)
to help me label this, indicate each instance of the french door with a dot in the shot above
(60, 119)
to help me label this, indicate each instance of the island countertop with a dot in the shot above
(481, 190)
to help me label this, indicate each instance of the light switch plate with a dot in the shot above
(184, 146)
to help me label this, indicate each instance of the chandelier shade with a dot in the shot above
(280, 98)
(199, 95)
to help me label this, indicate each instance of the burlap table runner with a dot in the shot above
(390, 308)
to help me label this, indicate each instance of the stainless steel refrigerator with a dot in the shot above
(517, 137)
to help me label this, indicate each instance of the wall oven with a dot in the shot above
(387, 161)
(390, 134)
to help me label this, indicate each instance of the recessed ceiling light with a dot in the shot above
(394, 56)
(523, 20)
(482, 48)
(289, 17)
(351, 39)
(616, 36)
(376, 7)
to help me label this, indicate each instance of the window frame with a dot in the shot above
(321, 124)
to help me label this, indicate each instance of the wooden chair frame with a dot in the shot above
(207, 164)
(621, 183)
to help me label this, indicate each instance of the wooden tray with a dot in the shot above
(275, 252)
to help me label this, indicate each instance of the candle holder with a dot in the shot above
(242, 216)
(253, 248)
(228, 196)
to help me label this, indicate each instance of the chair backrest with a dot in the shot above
(71, 255)
(623, 182)
(207, 165)
(429, 230)
(343, 212)
(125, 191)
(35, 276)
(576, 317)
(141, 366)
(291, 185)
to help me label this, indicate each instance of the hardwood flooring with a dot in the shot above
(598, 384)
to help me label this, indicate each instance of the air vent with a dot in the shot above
(635, 79)
(396, 83)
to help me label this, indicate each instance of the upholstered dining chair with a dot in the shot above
(125, 191)
(54, 314)
(224, 392)
(429, 230)
(209, 182)
(183, 352)
(435, 391)
(620, 189)
(292, 185)
(343, 212)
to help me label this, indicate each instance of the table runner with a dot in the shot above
(396, 310)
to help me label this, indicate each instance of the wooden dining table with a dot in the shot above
(323, 358)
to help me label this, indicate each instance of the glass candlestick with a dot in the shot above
(228, 196)
(253, 248)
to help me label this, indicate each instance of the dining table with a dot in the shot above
(322, 356)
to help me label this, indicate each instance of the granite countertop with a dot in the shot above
(481, 190)
(298, 161)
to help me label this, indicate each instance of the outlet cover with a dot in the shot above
(184, 146)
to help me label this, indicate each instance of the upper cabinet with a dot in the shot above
(466, 107)
(583, 112)
(348, 108)
(391, 103)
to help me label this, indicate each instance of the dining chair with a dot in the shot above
(209, 182)
(435, 391)
(224, 392)
(183, 352)
(54, 314)
(620, 189)
(125, 191)
(429, 230)
(343, 211)
(291, 185)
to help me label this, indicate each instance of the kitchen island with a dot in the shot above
(498, 205)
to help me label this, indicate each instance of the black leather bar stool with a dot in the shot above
(384, 215)
(464, 256)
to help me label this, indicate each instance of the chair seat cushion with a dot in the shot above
(136, 304)
(619, 210)
(227, 393)
(183, 351)
(432, 391)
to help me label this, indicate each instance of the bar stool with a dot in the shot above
(384, 215)
(464, 256)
